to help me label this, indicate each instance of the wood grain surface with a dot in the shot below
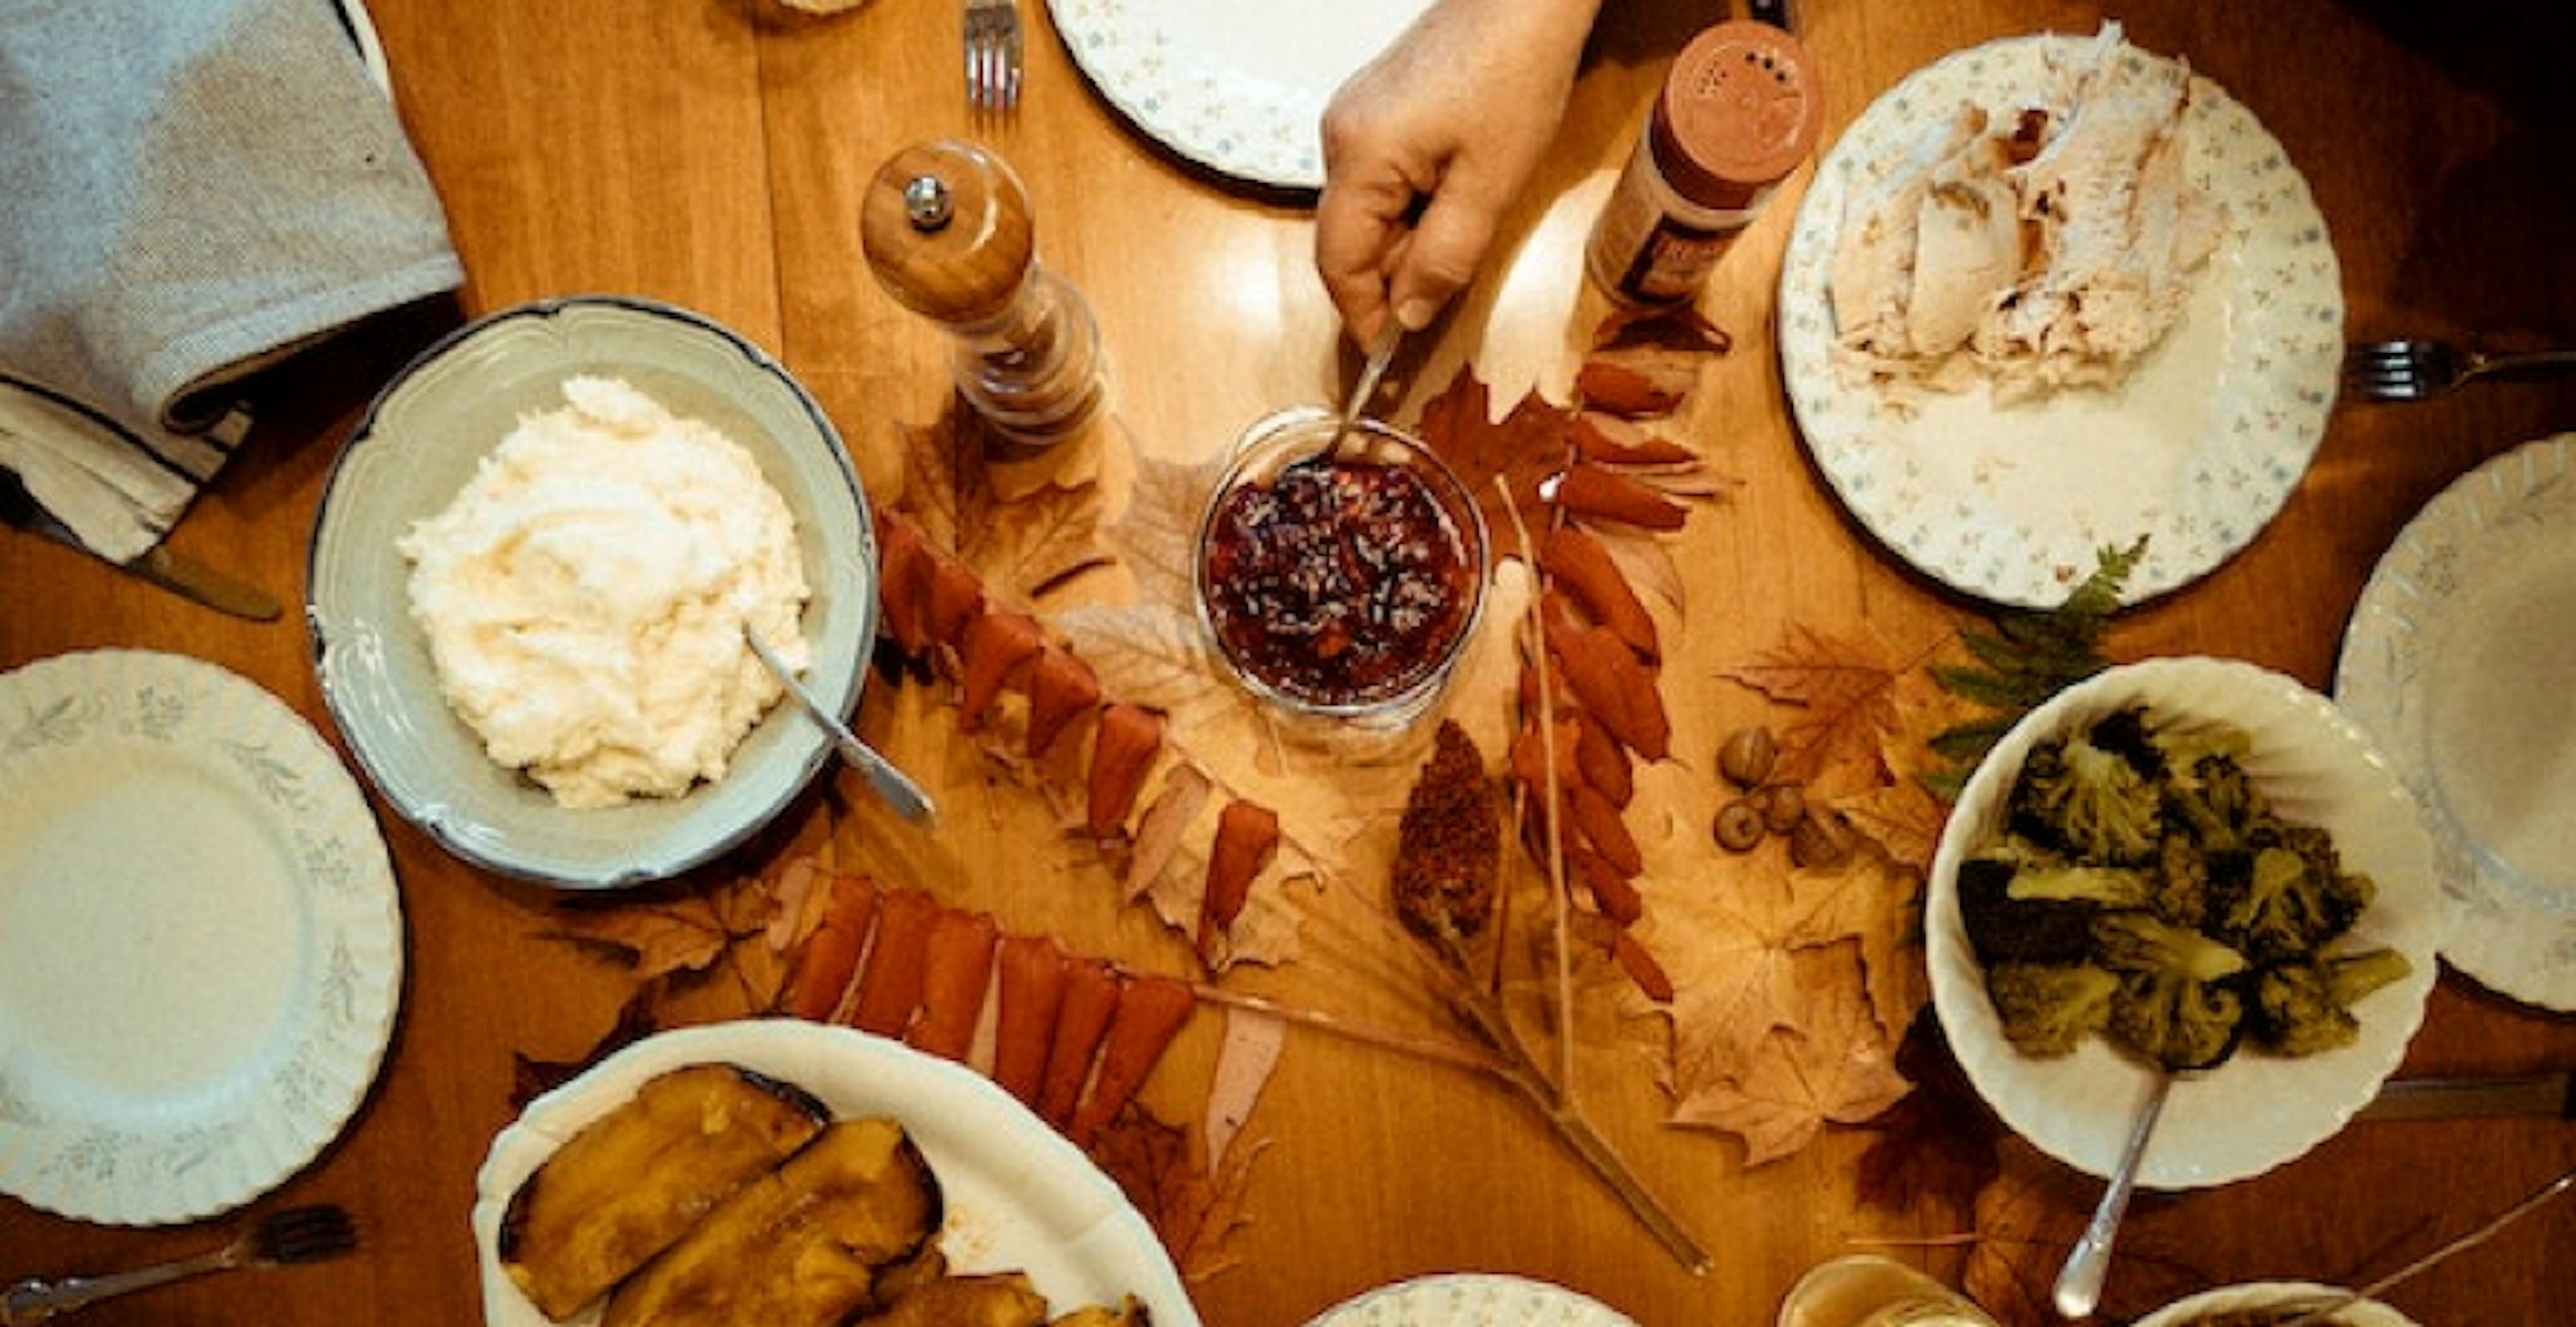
(713, 153)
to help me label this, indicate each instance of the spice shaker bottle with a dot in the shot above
(948, 232)
(1740, 108)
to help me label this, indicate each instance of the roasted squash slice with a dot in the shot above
(1004, 1299)
(798, 1246)
(1129, 1312)
(636, 1179)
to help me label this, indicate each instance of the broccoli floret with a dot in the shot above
(2216, 801)
(2124, 733)
(2281, 907)
(2048, 1007)
(2110, 887)
(2295, 1012)
(2181, 894)
(2305, 1006)
(2186, 749)
(2076, 797)
(2004, 929)
(2356, 975)
(2177, 1003)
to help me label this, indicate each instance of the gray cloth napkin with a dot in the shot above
(189, 190)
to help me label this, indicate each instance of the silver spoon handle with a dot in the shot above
(897, 788)
(2079, 1283)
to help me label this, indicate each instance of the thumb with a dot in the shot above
(1440, 257)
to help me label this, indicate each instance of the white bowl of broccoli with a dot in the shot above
(2190, 865)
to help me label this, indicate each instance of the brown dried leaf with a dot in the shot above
(1040, 541)
(1153, 535)
(1844, 687)
(1833, 1067)
(1735, 980)
(1192, 1208)
(1681, 328)
(1168, 817)
(1524, 448)
(1253, 1042)
(1936, 1148)
(945, 486)
(531, 1078)
(1900, 817)
(2034, 1211)
(679, 934)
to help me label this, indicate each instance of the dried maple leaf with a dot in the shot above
(1153, 536)
(1734, 981)
(1192, 1207)
(1028, 543)
(1525, 448)
(2034, 1211)
(684, 933)
(531, 1078)
(945, 486)
(1936, 1147)
(1844, 688)
(1901, 817)
(1833, 1067)
(1878, 909)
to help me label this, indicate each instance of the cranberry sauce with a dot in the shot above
(1337, 584)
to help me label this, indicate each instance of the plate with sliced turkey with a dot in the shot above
(2053, 295)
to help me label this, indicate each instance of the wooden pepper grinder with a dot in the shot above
(947, 230)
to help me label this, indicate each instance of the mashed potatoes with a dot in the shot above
(585, 597)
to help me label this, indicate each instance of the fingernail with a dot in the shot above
(1415, 314)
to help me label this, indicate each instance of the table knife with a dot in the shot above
(2552, 1093)
(171, 571)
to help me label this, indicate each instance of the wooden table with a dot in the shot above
(712, 154)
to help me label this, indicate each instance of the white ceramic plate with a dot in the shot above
(1019, 1197)
(2196, 449)
(2461, 659)
(1238, 86)
(200, 940)
(2271, 1294)
(420, 442)
(1470, 1300)
(2255, 1111)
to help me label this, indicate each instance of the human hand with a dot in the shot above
(1429, 144)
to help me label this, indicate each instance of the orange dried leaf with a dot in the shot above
(890, 989)
(1091, 994)
(829, 957)
(1845, 687)
(957, 965)
(1577, 562)
(1247, 835)
(996, 646)
(1629, 392)
(1603, 494)
(1150, 1011)
(1032, 988)
(1122, 753)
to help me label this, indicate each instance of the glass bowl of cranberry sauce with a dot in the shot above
(1347, 587)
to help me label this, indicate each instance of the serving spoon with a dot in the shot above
(896, 787)
(2079, 1283)
(1371, 374)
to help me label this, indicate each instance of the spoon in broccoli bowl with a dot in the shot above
(2079, 1282)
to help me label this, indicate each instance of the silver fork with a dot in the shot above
(2415, 370)
(289, 1235)
(993, 55)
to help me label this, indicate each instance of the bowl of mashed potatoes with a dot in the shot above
(533, 570)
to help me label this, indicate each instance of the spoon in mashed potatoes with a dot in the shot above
(896, 787)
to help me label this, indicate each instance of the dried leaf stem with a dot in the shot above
(1521, 1069)
(1438, 1049)
(1537, 647)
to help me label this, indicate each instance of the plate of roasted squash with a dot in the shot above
(787, 1173)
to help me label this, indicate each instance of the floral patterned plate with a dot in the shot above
(200, 942)
(1237, 86)
(2196, 449)
(1471, 1299)
(2461, 659)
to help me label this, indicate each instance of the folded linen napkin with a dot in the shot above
(189, 190)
